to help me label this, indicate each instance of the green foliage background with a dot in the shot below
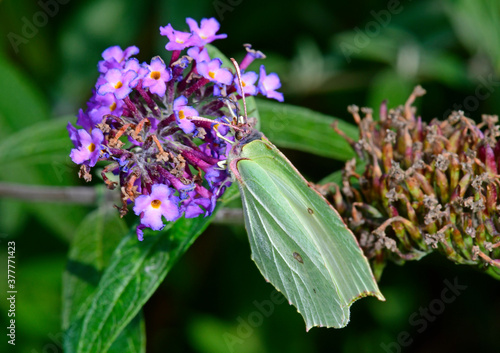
(329, 55)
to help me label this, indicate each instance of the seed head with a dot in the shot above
(434, 187)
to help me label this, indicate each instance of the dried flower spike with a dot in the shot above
(435, 187)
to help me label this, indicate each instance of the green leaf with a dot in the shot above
(305, 130)
(22, 105)
(133, 337)
(136, 269)
(38, 156)
(299, 242)
(476, 24)
(389, 85)
(336, 177)
(46, 142)
(96, 238)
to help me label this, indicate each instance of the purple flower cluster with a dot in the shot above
(166, 126)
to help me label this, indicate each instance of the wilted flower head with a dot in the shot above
(423, 187)
(164, 125)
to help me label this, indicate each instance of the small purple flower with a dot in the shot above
(118, 83)
(182, 111)
(250, 57)
(223, 129)
(114, 57)
(161, 202)
(268, 84)
(73, 133)
(220, 90)
(104, 105)
(89, 147)
(141, 71)
(248, 80)
(157, 76)
(214, 175)
(178, 40)
(206, 33)
(84, 120)
(192, 207)
(133, 65)
(198, 55)
(212, 71)
(211, 207)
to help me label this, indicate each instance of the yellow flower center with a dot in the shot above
(180, 41)
(181, 114)
(211, 74)
(156, 203)
(112, 106)
(243, 83)
(91, 147)
(118, 85)
(155, 75)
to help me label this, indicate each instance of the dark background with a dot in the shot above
(329, 54)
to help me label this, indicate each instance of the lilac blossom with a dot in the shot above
(248, 80)
(177, 40)
(118, 83)
(84, 120)
(134, 65)
(182, 111)
(268, 84)
(195, 206)
(162, 126)
(88, 147)
(206, 32)
(157, 77)
(250, 57)
(73, 133)
(114, 57)
(161, 202)
(198, 55)
(213, 72)
(104, 105)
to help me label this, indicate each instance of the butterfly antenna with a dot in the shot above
(237, 67)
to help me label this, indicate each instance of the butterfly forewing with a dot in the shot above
(298, 241)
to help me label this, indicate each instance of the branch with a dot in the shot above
(230, 216)
(85, 195)
(90, 195)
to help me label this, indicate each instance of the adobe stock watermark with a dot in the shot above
(482, 92)
(31, 27)
(381, 19)
(223, 6)
(246, 326)
(425, 315)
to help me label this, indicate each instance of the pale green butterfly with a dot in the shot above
(298, 240)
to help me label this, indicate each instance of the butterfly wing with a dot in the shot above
(298, 241)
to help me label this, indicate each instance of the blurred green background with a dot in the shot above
(329, 55)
